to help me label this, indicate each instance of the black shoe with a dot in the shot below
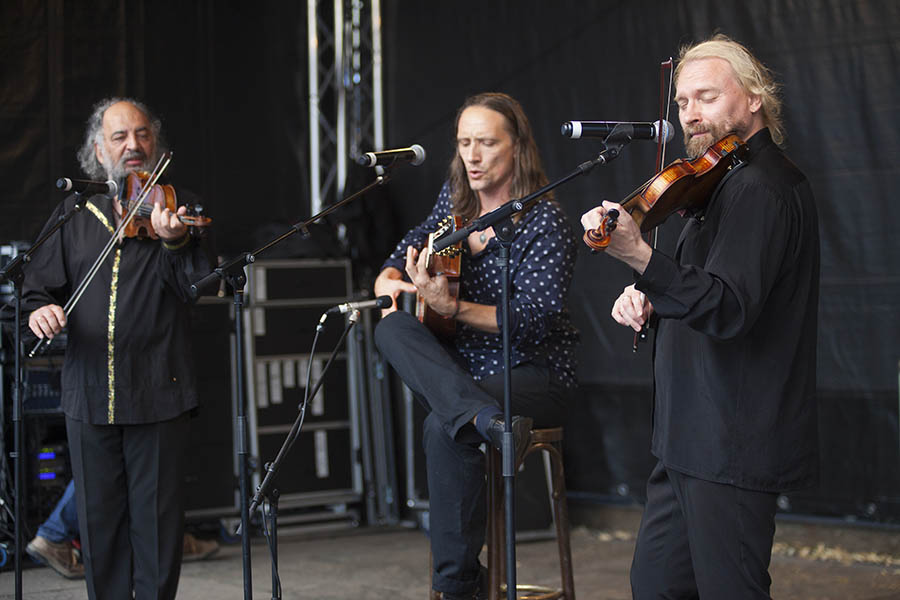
(521, 429)
(479, 594)
(476, 595)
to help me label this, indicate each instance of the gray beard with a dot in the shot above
(119, 171)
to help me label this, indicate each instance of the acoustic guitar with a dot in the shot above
(447, 262)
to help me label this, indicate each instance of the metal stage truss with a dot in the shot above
(345, 91)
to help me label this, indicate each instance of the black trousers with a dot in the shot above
(700, 539)
(130, 488)
(454, 462)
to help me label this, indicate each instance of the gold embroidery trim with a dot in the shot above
(97, 213)
(111, 338)
(110, 322)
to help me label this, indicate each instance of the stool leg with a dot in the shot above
(497, 525)
(561, 510)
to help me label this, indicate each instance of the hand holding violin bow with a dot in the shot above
(47, 321)
(632, 309)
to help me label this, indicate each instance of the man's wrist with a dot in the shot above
(456, 311)
(641, 258)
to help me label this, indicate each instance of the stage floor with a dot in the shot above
(840, 563)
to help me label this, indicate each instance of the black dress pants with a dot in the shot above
(700, 539)
(454, 462)
(129, 483)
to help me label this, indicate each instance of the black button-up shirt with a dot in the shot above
(542, 258)
(128, 356)
(735, 354)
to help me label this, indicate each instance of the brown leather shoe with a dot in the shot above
(197, 549)
(62, 557)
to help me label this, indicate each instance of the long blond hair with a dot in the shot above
(753, 76)
(528, 173)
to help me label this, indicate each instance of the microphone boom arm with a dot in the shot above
(611, 150)
(248, 257)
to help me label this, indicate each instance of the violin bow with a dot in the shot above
(664, 108)
(158, 170)
(663, 139)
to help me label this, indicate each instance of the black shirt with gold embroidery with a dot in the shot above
(128, 355)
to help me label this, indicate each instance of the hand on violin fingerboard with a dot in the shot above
(167, 224)
(625, 243)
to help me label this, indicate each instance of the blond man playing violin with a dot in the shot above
(127, 380)
(735, 310)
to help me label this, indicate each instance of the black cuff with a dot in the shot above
(176, 245)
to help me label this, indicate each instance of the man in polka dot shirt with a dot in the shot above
(460, 381)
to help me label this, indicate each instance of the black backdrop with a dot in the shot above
(229, 80)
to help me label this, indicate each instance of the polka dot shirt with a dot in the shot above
(542, 259)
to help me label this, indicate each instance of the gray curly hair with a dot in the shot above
(93, 134)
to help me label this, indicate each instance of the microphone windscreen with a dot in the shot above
(665, 130)
(571, 129)
(419, 151)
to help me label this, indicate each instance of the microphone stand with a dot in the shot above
(272, 467)
(504, 230)
(14, 272)
(263, 492)
(232, 272)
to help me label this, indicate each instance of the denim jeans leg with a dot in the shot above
(62, 524)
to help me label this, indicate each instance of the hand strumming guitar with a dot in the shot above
(436, 294)
(434, 289)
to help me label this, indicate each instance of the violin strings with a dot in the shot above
(164, 161)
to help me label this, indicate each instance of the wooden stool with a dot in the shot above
(550, 441)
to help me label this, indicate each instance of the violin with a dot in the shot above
(140, 225)
(684, 185)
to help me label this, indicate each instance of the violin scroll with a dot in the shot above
(598, 239)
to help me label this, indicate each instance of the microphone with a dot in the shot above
(415, 154)
(636, 131)
(379, 302)
(83, 186)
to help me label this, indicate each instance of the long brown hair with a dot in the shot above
(528, 172)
